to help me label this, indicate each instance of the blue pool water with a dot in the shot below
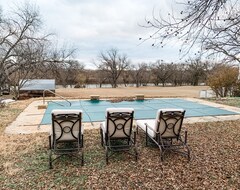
(143, 109)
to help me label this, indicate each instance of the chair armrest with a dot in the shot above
(134, 128)
(148, 126)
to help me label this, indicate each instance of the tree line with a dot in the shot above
(114, 68)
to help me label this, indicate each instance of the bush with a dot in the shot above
(223, 80)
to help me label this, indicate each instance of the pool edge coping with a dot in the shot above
(27, 122)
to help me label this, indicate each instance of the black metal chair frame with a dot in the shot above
(109, 141)
(176, 143)
(58, 146)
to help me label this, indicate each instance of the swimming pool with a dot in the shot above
(94, 111)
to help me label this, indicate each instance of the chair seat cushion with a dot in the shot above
(171, 110)
(150, 122)
(114, 110)
(103, 126)
(64, 111)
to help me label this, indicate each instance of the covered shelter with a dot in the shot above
(36, 87)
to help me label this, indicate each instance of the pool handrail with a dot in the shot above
(47, 90)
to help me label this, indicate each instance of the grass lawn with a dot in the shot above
(227, 101)
(215, 163)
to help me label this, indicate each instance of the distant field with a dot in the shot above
(182, 91)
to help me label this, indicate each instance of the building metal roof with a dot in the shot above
(39, 84)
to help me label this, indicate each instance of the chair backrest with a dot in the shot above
(66, 124)
(119, 122)
(169, 122)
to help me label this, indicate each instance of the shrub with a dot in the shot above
(223, 80)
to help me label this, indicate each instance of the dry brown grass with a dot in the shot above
(149, 91)
(215, 163)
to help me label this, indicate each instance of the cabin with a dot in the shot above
(35, 88)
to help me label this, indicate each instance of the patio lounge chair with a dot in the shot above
(165, 131)
(117, 132)
(66, 135)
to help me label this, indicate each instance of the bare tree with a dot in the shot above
(69, 72)
(126, 77)
(16, 33)
(24, 52)
(179, 74)
(23, 67)
(196, 71)
(211, 24)
(161, 72)
(102, 77)
(54, 58)
(140, 74)
(112, 64)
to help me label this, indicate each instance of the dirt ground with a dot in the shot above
(214, 164)
(149, 91)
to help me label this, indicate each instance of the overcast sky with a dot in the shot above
(93, 26)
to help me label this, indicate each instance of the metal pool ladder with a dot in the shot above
(47, 90)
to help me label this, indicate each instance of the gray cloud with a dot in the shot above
(94, 26)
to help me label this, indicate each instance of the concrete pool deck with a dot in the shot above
(29, 120)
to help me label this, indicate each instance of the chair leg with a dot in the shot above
(82, 158)
(161, 153)
(135, 146)
(188, 153)
(189, 157)
(161, 157)
(134, 138)
(81, 141)
(146, 136)
(49, 138)
(185, 143)
(101, 133)
(146, 139)
(50, 152)
(50, 160)
(106, 154)
(136, 153)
